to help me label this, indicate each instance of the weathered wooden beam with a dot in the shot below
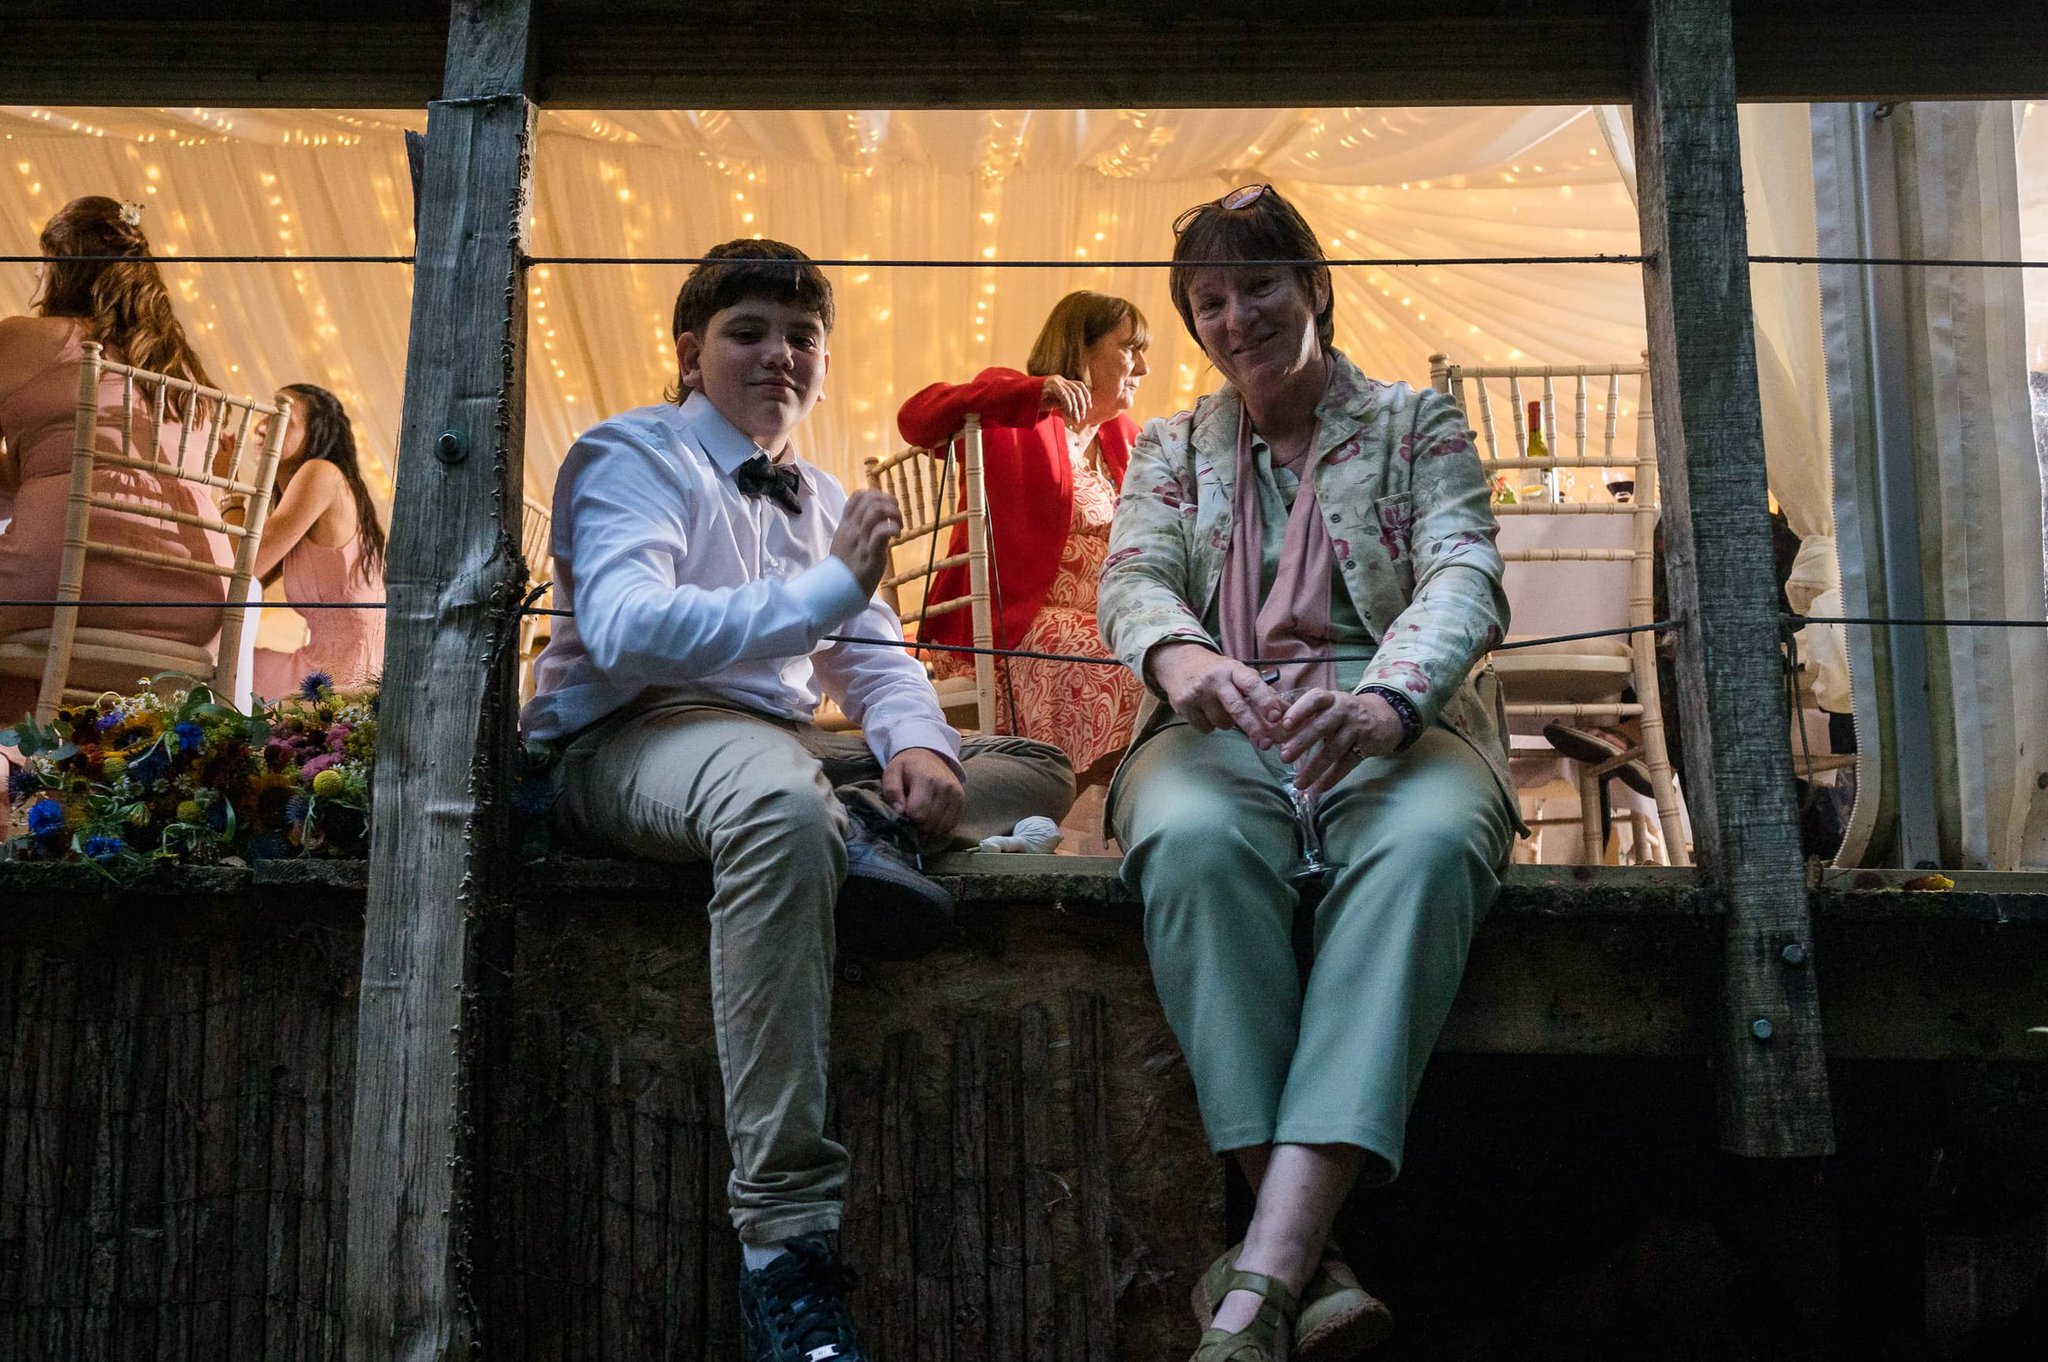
(1002, 53)
(1732, 710)
(438, 851)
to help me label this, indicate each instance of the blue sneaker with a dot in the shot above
(887, 908)
(795, 1308)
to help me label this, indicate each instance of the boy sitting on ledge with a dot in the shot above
(704, 562)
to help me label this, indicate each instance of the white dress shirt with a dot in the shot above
(683, 585)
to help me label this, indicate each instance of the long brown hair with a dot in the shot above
(331, 438)
(122, 302)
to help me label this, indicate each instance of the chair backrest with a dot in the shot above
(536, 525)
(212, 452)
(536, 528)
(928, 484)
(1562, 536)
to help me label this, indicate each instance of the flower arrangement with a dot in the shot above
(179, 775)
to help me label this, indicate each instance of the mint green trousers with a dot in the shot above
(1414, 841)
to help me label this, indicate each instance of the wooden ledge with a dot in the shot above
(1084, 883)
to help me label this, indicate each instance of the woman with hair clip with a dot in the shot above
(1338, 530)
(83, 296)
(323, 538)
(1055, 440)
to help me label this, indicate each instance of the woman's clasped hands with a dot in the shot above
(1322, 733)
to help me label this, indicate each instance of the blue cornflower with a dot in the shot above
(104, 849)
(46, 818)
(315, 683)
(190, 736)
(21, 783)
(109, 721)
(150, 766)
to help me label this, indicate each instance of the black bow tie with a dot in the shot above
(758, 477)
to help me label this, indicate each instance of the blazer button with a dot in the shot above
(1349, 565)
(1336, 517)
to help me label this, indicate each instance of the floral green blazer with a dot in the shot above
(1410, 516)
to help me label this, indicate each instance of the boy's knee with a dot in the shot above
(793, 817)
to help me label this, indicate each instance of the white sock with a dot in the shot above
(757, 1257)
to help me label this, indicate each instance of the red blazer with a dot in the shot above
(1030, 483)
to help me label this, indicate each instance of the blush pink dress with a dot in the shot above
(348, 645)
(37, 411)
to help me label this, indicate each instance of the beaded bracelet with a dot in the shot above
(1404, 709)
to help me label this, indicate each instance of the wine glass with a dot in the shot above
(1313, 865)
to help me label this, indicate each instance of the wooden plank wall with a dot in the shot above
(1003, 1114)
(174, 1131)
(1028, 1176)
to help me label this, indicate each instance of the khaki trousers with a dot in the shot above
(753, 795)
(1413, 839)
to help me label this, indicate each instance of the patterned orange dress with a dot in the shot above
(1087, 710)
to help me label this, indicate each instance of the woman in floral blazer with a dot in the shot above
(1303, 571)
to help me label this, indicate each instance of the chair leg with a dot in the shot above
(1591, 850)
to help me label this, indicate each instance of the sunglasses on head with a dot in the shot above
(1243, 197)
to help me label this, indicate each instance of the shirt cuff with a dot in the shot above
(941, 738)
(828, 593)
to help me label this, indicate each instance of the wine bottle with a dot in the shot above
(1541, 489)
(1539, 448)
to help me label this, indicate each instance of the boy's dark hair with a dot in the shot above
(749, 268)
(1267, 227)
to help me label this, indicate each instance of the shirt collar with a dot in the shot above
(724, 443)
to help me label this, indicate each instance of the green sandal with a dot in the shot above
(1336, 1321)
(1266, 1338)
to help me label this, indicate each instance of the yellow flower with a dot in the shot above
(139, 815)
(189, 811)
(329, 783)
(113, 768)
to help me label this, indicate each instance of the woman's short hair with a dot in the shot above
(734, 271)
(1075, 323)
(100, 271)
(1264, 227)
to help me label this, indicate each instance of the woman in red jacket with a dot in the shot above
(1055, 440)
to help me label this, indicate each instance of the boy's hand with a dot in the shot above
(862, 539)
(1065, 396)
(920, 785)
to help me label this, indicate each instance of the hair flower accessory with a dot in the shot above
(131, 212)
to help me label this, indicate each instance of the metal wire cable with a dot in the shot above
(1373, 262)
(915, 645)
(220, 259)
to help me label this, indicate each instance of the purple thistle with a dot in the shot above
(315, 684)
(296, 809)
(21, 783)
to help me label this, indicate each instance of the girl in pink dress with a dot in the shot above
(323, 538)
(123, 305)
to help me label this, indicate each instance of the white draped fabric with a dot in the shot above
(1963, 349)
(1074, 187)
(1070, 186)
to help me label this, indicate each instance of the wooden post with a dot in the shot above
(438, 861)
(1733, 713)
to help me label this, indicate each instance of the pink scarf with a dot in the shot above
(1294, 620)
